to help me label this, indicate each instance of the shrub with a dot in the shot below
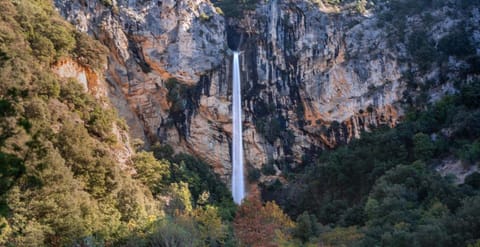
(423, 146)
(421, 49)
(473, 180)
(457, 44)
(150, 171)
(89, 52)
(234, 8)
(269, 168)
(253, 173)
(204, 17)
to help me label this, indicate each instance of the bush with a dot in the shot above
(423, 146)
(100, 123)
(107, 3)
(470, 94)
(162, 151)
(422, 50)
(150, 171)
(253, 173)
(473, 180)
(307, 227)
(269, 168)
(234, 8)
(89, 52)
(457, 44)
(204, 17)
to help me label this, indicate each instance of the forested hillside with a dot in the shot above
(385, 184)
(62, 182)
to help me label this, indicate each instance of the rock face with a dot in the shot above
(94, 84)
(312, 76)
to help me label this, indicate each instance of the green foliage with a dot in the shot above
(421, 49)
(5, 230)
(457, 44)
(11, 168)
(49, 36)
(200, 178)
(269, 169)
(361, 6)
(234, 8)
(6, 108)
(470, 153)
(176, 95)
(181, 198)
(88, 52)
(60, 183)
(150, 171)
(473, 180)
(175, 232)
(423, 147)
(212, 231)
(253, 173)
(162, 151)
(385, 181)
(100, 122)
(341, 236)
(204, 17)
(307, 227)
(107, 3)
(470, 94)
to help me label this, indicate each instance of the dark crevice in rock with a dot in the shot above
(234, 38)
(137, 53)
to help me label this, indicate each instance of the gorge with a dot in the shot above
(240, 123)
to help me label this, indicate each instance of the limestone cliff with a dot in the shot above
(313, 75)
(93, 83)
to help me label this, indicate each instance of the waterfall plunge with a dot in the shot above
(238, 187)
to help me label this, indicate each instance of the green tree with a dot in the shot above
(306, 227)
(423, 146)
(181, 198)
(150, 171)
(211, 228)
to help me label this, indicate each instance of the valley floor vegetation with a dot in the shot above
(61, 185)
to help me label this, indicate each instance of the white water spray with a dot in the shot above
(238, 186)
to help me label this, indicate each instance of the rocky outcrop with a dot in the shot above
(94, 83)
(88, 78)
(313, 76)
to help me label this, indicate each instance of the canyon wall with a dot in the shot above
(313, 75)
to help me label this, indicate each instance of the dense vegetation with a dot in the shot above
(235, 8)
(60, 182)
(62, 185)
(385, 184)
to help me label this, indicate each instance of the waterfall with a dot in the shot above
(238, 187)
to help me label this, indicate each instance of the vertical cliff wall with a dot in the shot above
(313, 75)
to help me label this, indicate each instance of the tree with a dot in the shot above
(423, 146)
(181, 198)
(473, 180)
(341, 236)
(5, 231)
(212, 231)
(256, 225)
(174, 232)
(150, 171)
(306, 228)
